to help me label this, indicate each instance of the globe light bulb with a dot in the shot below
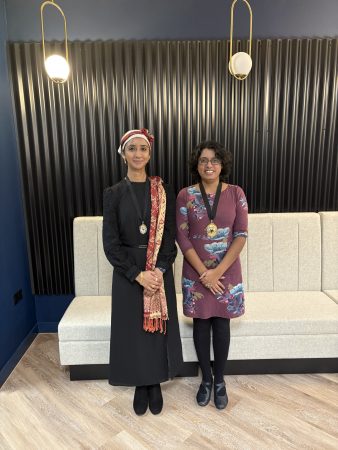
(57, 68)
(240, 65)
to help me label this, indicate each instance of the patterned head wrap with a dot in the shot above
(131, 134)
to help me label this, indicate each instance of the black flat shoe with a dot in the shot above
(140, 403)
(204, 393)
(220, 395)
(155, 398)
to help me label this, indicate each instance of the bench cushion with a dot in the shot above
(279, 313)
(305, 327)
(87, 318)
(333, 294)
(267, 314)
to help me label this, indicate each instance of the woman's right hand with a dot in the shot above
(149, 280)
(211, 280)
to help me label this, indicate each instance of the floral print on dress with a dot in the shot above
(218, 249)
(195, 201)
(192, 220)
(190, 295)
(243, 202)
(184, 212)
(222, 234)
(233, 299)
(216, 252)
(240, 233)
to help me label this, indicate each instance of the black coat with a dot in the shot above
(138, 357)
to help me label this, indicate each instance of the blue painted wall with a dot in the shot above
(16, 322)
(49, 311)
(118, 19)
(173, 19)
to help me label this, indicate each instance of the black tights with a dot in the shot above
(221, 342)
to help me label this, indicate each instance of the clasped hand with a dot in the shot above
(151, 280)
(211, 280)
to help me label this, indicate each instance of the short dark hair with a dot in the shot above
(221, 153)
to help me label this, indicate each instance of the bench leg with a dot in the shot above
(280, 366)
(189, 369)
(245, 367)
(89, 372)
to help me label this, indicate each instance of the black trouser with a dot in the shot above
(221, 342)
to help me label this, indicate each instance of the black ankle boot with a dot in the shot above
(220, 395)
(155, 398)
(140, 403)
(204, 393)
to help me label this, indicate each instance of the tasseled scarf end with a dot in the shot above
(153, 325)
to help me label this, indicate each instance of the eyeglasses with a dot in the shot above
(205, 161)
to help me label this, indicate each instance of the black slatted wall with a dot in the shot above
(280, 124)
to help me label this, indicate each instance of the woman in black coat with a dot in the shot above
(139, 241)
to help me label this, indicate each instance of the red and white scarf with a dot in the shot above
(155, 310)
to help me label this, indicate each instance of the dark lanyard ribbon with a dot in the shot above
(211, 212)
(146, 199)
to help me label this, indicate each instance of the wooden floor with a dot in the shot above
(41, 409)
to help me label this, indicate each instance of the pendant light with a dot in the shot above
(57, 66)
(240, 63)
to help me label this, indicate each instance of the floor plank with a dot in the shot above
(41, 408)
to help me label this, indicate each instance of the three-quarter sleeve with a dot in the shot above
(240, 226)
(168, 251)
(113, 249)
(182, 223)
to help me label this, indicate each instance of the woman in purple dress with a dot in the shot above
(212, 222)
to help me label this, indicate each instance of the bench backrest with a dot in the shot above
(283, 253)
(92, 271)
(329, 225)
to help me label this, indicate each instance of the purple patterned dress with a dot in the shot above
(232, 221)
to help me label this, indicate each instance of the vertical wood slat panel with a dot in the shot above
(280, 124)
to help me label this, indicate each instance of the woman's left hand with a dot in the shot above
(211, 280)
(159, 276)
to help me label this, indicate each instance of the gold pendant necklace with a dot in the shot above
(211, 230)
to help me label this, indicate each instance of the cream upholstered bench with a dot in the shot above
(329, 225)
(290, 324)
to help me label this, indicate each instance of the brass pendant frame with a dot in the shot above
(55, 5)
(231, 70)
(211, 230)
(143, 228)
